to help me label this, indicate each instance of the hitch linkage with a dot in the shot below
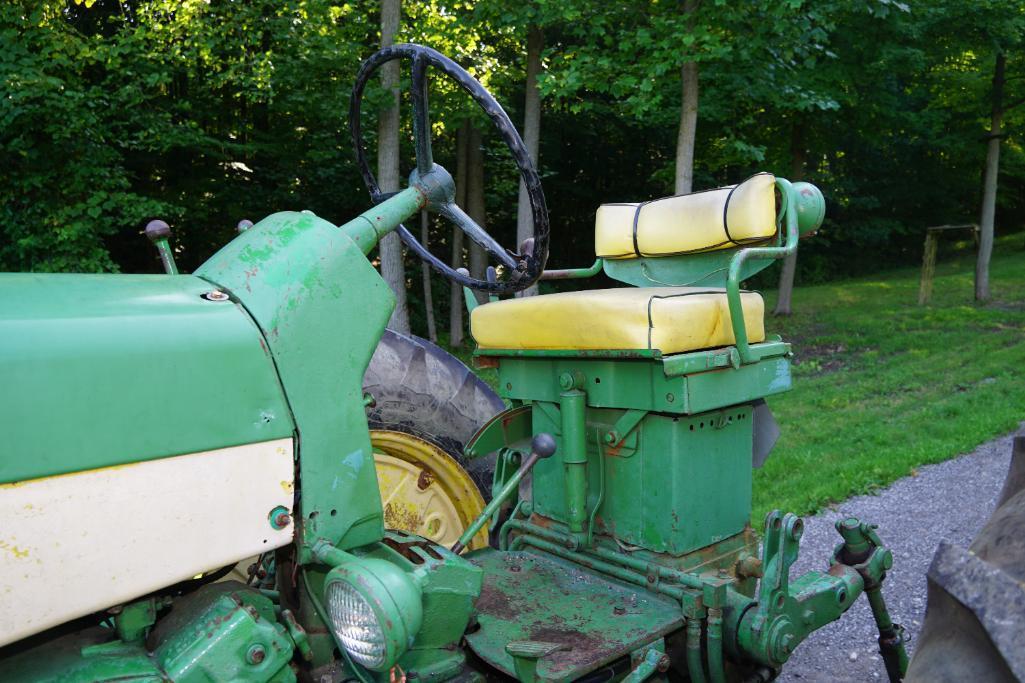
(864, 552)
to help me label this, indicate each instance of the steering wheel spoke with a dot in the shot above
(477, 234)
(421, 117)
(522, 269)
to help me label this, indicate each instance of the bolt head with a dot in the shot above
(279, 517)
(215, 295)
(256, 654)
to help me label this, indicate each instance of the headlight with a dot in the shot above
(375, 610)
(356, 625)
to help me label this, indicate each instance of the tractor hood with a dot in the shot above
(102, 370)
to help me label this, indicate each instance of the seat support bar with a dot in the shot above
(737, 263)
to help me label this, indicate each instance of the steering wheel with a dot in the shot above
(521, 270)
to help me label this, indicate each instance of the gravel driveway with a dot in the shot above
(948, 501)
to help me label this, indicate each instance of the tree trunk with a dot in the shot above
(688, 120)
(456, 304)
(798, 157)
(475, 199)
(989, 185)
(392, 268)
(531, 137)
(425, 270)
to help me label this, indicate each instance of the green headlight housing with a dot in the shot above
(375, 609)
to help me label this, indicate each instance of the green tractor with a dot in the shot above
(161, 429)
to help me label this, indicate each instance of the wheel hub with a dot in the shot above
(424, 490)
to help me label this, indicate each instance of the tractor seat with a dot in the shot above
(709, 220)
(666, 319)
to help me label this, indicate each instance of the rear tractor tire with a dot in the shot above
(976, 600)
(426, 406)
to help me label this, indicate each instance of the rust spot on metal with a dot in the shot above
(485, 361)
(548, 601)
(249, 275)
(838, 570)
(401, 517)
(425, 479)
(542, 522)
(580, 647)
(497, 604)
(408, 549)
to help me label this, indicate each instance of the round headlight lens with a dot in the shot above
(356, 625)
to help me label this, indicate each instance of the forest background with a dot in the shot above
(206, 112)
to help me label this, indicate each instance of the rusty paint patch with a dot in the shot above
(580, 648)
(614, 449)
(497, 604)
(425, 479)
(414, 549)
(551, 600)
(402, 516)
(485, 362)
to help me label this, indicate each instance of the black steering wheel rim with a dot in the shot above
(523, 270)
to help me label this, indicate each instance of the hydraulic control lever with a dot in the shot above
(542, 446)
(159, 233)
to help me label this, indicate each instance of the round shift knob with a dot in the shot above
(157, 229)
(543, 444)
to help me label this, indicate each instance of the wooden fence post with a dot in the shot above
(932, 240)
(928, 267)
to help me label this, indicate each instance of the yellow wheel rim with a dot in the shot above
(424, 490)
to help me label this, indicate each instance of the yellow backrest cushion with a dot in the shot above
(702, 221)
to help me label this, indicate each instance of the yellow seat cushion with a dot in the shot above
(669, 319)
(702, 221)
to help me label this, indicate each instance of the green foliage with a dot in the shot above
(206, 113)
(883, 386)
(62, 147)
(201, 114)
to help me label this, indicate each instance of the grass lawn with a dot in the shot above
(882, 385)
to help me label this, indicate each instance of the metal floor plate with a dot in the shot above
(528, 596)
